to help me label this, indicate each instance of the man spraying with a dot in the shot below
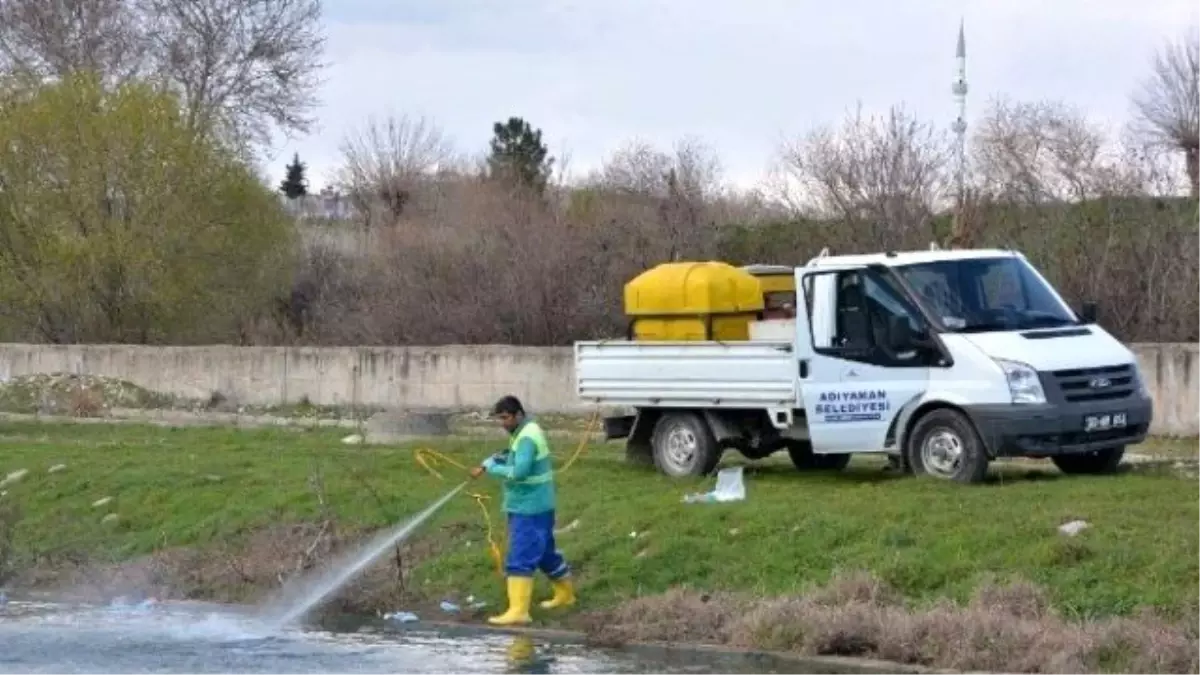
(529, 501)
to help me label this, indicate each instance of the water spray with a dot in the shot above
(306, 596)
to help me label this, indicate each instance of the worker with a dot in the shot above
(529, 500)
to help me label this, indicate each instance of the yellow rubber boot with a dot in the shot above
(564, 594)
(520, 595)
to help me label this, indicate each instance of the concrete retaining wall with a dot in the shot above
(1172, 371)
(454, 376)
(386, 376)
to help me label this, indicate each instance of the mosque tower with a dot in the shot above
(960, 124)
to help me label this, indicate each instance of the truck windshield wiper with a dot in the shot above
(987, 327)
(1046, 321)
(1027, 324)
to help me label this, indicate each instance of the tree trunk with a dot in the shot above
(965, 223)
(1192, 157)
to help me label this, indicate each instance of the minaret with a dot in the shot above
(960, 124)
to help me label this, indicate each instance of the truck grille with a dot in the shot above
(1096, 384)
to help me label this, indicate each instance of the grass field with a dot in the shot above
(627, 532)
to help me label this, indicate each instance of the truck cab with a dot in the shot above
(943, 360)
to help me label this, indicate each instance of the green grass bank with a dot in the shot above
(226, 514)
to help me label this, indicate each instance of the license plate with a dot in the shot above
(1104, 422)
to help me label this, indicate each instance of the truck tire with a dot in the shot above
(1095, 462)
(804, 459)
(684, 445)
(944, 444)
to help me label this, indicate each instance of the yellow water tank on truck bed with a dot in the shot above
(686, 301)
(779, 289)
(774, 278)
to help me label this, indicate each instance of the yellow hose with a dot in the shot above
(430, 459)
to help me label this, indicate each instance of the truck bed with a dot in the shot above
(754, 374)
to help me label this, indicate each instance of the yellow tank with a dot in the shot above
(774, 278)
(779, 289)
(688, 301)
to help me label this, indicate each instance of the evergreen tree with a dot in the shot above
(295, 185)
(518, 155)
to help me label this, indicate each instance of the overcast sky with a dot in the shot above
(740, 74)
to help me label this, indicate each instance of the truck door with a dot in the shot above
(859, 374)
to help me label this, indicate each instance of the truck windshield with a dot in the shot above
(975, 295)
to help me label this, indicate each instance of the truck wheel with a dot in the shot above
(684, 445)
(804, 459)
(1094, 462)
(944, 444)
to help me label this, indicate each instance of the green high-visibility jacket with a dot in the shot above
(527, 471)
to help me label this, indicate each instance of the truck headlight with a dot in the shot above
(1023, 382)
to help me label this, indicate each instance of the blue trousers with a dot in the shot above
(531, 547)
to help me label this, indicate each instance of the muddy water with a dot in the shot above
(61, 638)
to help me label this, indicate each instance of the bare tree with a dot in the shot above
(640, 168)
(243, 67)
(665, 196)
(886, 173)
(1168, 104)
(1039, 152)
(54, 38)
(387, 160)
(1144, 167)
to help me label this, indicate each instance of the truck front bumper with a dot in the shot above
(1058, 428)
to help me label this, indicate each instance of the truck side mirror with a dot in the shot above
(1087, 313)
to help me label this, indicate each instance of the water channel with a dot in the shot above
(48, 637)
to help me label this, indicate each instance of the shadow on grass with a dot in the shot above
(878, 475)
(1008, 475)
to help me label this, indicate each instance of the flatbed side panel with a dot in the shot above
(686, 375)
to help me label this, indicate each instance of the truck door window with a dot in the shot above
(852, 328)
(864, 308)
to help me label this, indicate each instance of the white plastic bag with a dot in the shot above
(730, 488)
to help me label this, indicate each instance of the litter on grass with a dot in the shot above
(730, 488)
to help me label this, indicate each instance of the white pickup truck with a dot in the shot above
(942, 360)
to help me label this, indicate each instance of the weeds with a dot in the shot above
(10, 515)
(75, 395)
(1002, 629)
